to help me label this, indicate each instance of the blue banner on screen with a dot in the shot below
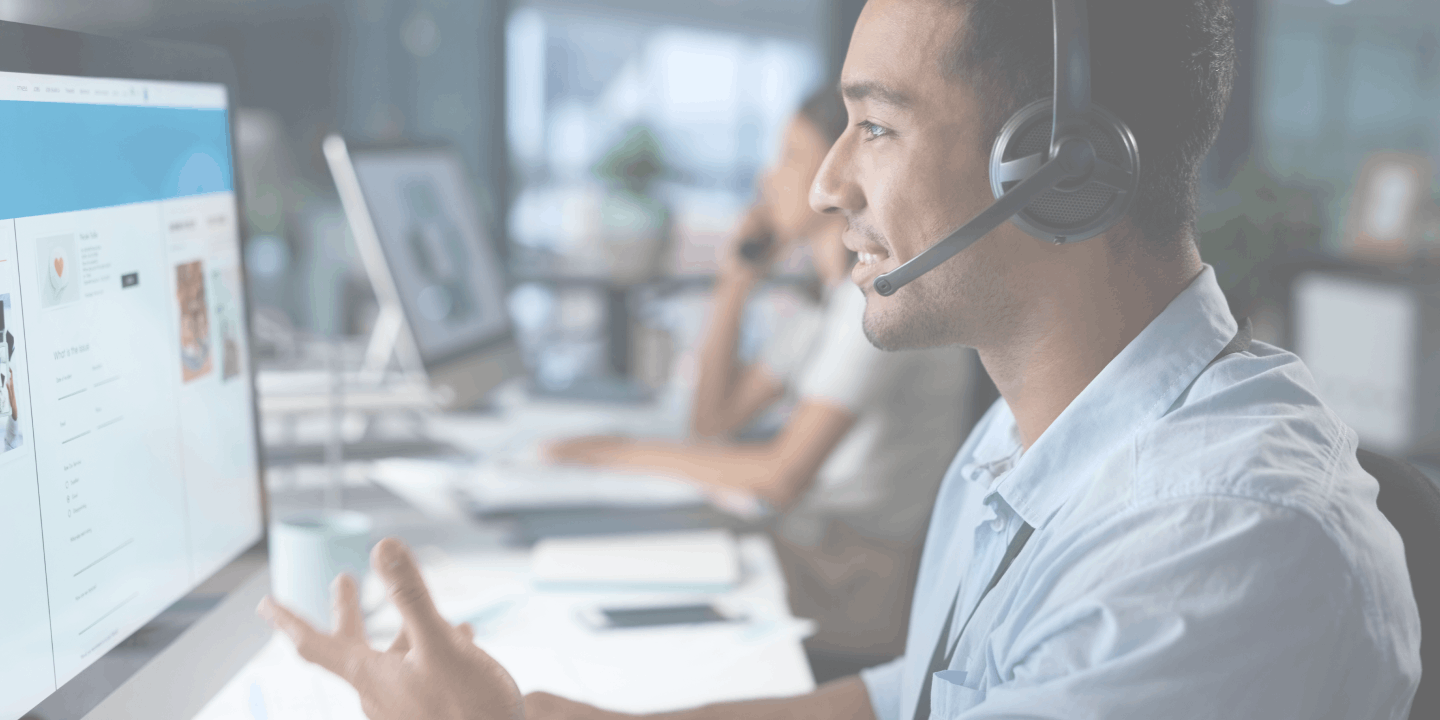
(62, 157)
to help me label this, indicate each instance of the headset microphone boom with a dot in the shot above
(1064, 180)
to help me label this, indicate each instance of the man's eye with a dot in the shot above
(873, 131)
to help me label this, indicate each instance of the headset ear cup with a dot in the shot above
(1072, 212)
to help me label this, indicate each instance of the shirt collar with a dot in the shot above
(1133, 390)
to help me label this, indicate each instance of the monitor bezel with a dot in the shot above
(48, 51)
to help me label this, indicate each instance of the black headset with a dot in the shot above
(1063, 181)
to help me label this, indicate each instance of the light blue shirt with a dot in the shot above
(1206, 546)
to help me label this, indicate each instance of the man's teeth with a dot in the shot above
(868, 258)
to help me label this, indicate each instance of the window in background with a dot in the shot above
(629, 134)
(1340, 82)
(635, 132)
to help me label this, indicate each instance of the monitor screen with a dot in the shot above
(444, 267)
(128, 463)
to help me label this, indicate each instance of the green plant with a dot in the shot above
(634, 163)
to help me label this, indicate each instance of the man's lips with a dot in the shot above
(865, 248)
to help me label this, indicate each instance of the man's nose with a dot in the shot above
(835, 189)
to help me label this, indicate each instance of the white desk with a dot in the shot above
(538, 638)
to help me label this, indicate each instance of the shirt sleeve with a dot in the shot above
(844, 369)
(784, 353)
(882, 683)
(1262, 620)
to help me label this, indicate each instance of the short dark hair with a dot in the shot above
(1165, 67)
(826, 111)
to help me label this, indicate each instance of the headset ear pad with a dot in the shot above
(1070, 212)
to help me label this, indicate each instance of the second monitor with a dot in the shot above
(434, 269)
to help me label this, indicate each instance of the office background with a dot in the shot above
(612, 144)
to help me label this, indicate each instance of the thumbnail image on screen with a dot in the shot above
(227, 309)
(12, 436)
(195, 360)
(57, 269)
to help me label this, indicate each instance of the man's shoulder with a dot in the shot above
(1252, 474)
(1252, 426)
(1255, 443)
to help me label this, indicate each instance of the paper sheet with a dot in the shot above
(706, 559)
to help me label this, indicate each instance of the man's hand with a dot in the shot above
(593, 450)
(432, 671)
(544, 706)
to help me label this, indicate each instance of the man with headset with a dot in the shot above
(1159, 519)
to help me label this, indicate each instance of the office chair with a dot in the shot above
(1411, 501)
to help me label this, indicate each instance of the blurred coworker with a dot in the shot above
(856, 466)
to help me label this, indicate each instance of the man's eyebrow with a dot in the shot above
(866, 90)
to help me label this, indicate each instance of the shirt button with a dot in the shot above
(998, 524)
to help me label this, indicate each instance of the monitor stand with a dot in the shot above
(391, 337)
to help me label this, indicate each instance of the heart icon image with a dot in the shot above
(59, 279)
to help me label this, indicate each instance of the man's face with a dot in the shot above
(910, 169)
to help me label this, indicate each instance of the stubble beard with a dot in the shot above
(916, 317)
(963, 301)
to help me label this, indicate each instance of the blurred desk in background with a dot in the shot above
(372, 424)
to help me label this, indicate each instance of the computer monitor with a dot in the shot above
(435, 271)
(132, 521)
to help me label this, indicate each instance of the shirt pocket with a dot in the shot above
(951, 693)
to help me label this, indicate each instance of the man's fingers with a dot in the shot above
(345, 608)
(401, 644)
(392, 560)
(467, 631)
(342, 658)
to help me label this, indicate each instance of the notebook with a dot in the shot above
(696, 561)
(508, 487)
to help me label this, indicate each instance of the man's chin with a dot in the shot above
(883, 334)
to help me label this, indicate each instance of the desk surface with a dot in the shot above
(537, 635)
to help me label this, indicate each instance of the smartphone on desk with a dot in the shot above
(601, 618)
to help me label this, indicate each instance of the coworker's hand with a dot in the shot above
(592, 450)
(433, 670)
(544, 706)
(733, 267)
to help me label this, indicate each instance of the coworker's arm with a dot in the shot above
(727, 393)
(779, 471)
(843, 699)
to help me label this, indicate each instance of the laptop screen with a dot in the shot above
(128, 465)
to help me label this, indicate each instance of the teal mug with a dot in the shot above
(308, 550)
